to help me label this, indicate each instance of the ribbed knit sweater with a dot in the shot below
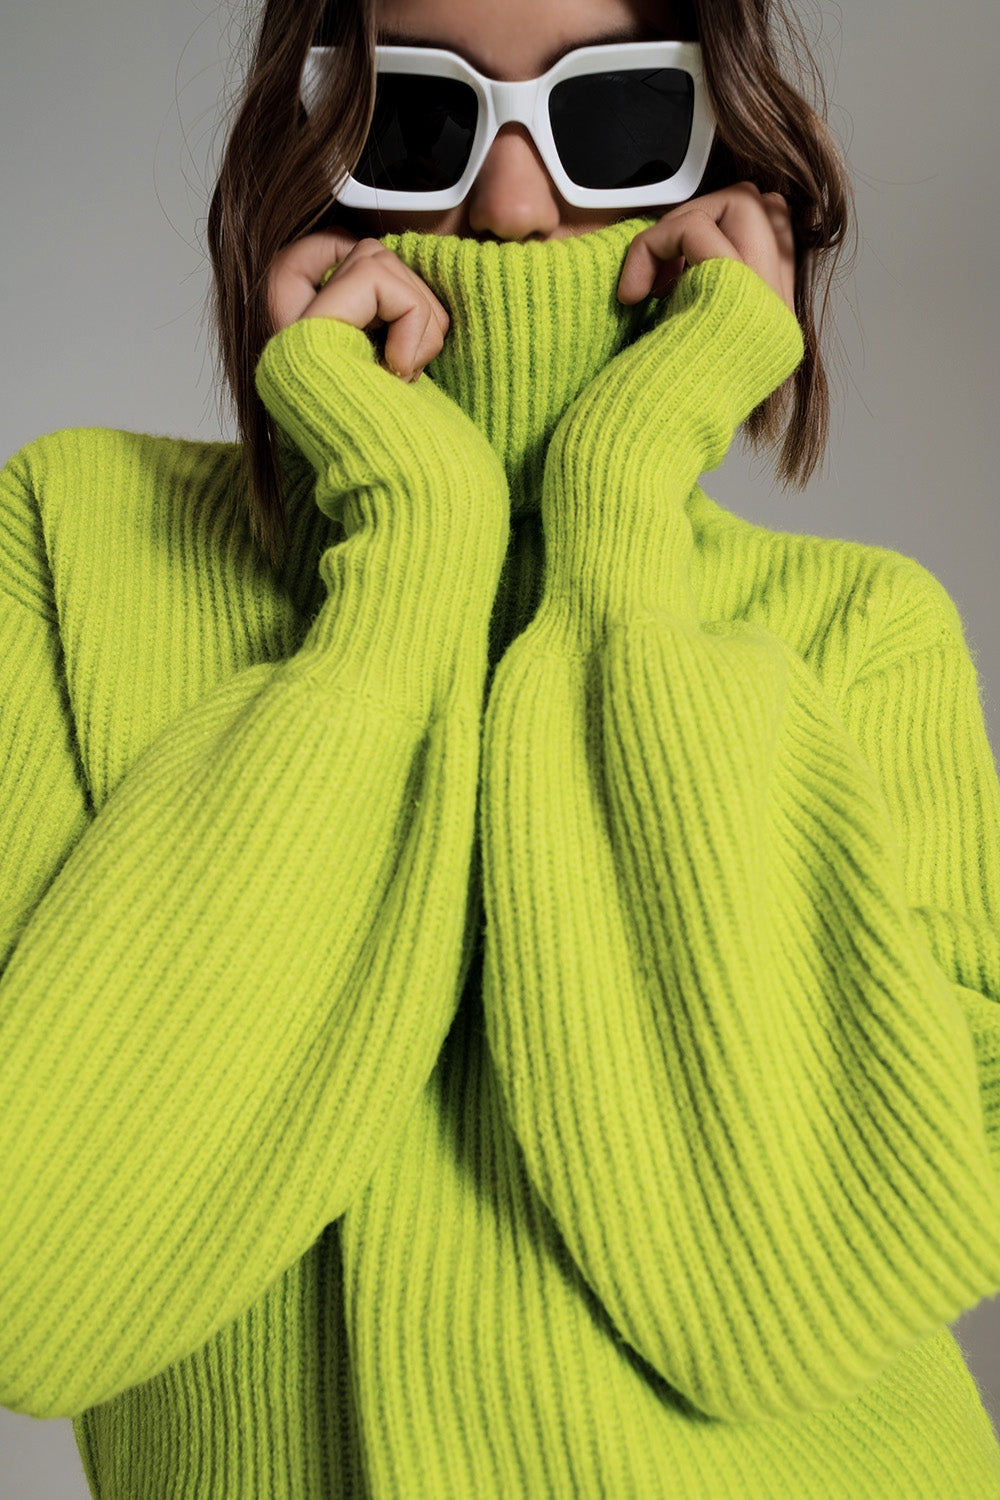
(505, 1001)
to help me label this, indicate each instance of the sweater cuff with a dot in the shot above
(629, 452)
(421, 495)
(729, 342)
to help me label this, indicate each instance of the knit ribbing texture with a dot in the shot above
(554, 302)
(580, 1079)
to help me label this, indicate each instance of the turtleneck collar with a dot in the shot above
(532, 323)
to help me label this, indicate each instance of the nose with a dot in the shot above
(514, 198)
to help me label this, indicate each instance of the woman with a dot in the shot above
(502, 952)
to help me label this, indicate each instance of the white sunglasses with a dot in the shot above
(622, 126)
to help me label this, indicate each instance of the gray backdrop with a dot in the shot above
(109, 116)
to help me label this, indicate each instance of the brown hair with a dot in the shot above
(273, 188)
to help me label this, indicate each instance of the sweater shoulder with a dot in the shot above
(92, 504)
(79, 486)
(103, 470)
(849, 608)
(68, 448)
(139, 550)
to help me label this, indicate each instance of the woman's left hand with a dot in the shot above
(736, 223)
(626, 455)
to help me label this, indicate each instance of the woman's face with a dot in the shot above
(513, 198)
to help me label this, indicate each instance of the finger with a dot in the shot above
(407, 346)
(749, 226)
(780, 218)
(667, 277)
(365, 295)
(393, 296)
(692, 236)
(746, 223)
(439, 313)
(759, 226)
(409, 278)
(296, 270)
(353, 250)
(362, 295)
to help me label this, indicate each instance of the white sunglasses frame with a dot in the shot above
(526, 103)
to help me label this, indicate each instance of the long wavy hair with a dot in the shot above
(273, 188)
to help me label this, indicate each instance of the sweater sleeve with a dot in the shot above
(739, 974)
(916, 716)
(227, 988)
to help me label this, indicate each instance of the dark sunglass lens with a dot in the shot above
(421, 134)
(622, 130)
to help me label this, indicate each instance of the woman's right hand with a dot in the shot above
(370, 289)
(414, 482)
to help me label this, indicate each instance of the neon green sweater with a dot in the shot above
(503, 1003)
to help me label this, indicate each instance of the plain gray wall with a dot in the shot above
(109, 115)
